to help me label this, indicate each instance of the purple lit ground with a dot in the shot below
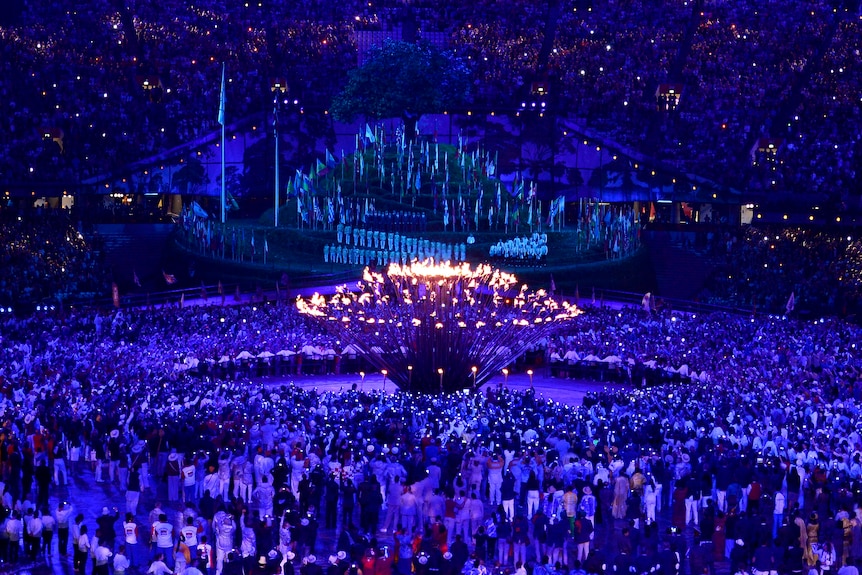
(570, 392)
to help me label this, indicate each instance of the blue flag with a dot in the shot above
(221, 99)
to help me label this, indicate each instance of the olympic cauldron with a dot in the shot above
(437, 327)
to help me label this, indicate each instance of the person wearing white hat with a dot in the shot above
(114, 455)
(310, 566)
(172, 471)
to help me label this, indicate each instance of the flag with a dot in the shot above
(290, 188)
(221, 99)
(115, 293)
(519, 190)
(297, 182)
(330, 160)
(369, 135)
(791, 303)
(135, 278)
(252, 244)
(506, 220)
(304, 182)
(318, 214)
(476, 216)
(182, 299)
(320, 167)
(445, 214)
(265, 246)
(554, 209)
(169, 278)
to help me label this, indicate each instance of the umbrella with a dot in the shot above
(224, 359)
(265, 354)
(244, 355)
(286, 353)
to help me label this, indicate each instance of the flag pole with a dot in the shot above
(221, 121)
(275, 131)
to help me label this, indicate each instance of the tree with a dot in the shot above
(190, 176)
(400, 79)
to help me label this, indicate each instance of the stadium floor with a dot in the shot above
(567, 391)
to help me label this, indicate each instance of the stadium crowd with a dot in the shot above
(762, 266)
(44, 258)
(71, 112)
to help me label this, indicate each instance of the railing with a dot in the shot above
(636, 299)
(229, 291)
(161, 298)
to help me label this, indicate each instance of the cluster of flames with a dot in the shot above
(438, 327)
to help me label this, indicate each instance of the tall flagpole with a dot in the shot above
(221, 121)
(275, 132)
